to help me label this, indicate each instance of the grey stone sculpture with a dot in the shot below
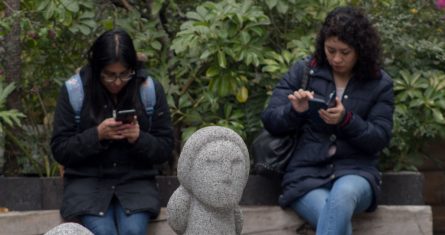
(213, 169)
(69, 229)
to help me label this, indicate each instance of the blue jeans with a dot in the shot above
(329, 209)
(117, 222)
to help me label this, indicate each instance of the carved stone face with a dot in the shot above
(218, 174)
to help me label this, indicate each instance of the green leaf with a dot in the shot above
(184, 102)
(84, 29)
(90, 23)
(222, 59)
(49, 11)
(245, 38)
(192, 118)
(438, 116)
(271, 3)
(70, 5)
(220, 85)
(242, 95)
(416, 103)
(441, 103)
(187, 132)
(258, 31)
(156, 45)
(156, 6)
(87, 15)
(212, 71)
(227, 110)
(205, 54)
(107, 24)
(282, 7)
(43, 5)
(194, 16)
(270, 68)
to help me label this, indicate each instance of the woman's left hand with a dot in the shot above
(334, 115)
(131, 131)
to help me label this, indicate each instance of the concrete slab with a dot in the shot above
(258, 220)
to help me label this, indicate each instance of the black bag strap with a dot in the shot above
(305, 74)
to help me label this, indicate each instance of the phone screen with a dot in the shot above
(331, 102)
(125, 116)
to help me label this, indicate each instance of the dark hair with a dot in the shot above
(111, 47)
(352, 27)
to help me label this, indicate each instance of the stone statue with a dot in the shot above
(213, 169)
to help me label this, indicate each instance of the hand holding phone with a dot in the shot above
(319, 102)
(125, 116)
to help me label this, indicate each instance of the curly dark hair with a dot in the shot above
(352, 27)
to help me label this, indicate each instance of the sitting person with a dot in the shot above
(333, 172)
(109, 173)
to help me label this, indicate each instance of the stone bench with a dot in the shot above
(260, 220)
(401, 209)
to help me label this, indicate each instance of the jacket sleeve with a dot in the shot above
(279, 117)
(156, 145)
(67, 145)
(374, 133)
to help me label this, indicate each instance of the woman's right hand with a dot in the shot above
(110, 129)
(300, 100)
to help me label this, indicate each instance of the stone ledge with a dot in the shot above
(258, 220)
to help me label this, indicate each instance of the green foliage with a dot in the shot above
(418, 117)
(9, 117)
(233, 35)
(220, 47)
(412, 33)
(218, 61)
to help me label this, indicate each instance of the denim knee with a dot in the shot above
(134, 229)
(102, 229)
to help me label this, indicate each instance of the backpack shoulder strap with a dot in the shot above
(148, 95)
(74, 87)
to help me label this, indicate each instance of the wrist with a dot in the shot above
(347, 116)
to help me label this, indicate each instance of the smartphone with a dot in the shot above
(331, 102)
(318, 102)
(125, 116)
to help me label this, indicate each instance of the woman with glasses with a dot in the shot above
(333, 172)
(109, 174)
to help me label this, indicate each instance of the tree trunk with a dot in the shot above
(13, 50)
(12, 66)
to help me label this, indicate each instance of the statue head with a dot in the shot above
(214, 166)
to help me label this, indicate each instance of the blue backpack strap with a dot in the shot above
(148, 96)
(74, 87)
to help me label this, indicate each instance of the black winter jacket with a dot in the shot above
(358, 143)
(96, 171)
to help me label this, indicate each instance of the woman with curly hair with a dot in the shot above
(333, 173)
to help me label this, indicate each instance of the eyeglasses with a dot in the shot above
(112, 77)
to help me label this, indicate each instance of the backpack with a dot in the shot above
(75, 93)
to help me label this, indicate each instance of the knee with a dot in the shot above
(347, 191)
(102, 229)
(134, 229)
(352, 190)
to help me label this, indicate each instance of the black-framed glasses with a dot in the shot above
(112, 77)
